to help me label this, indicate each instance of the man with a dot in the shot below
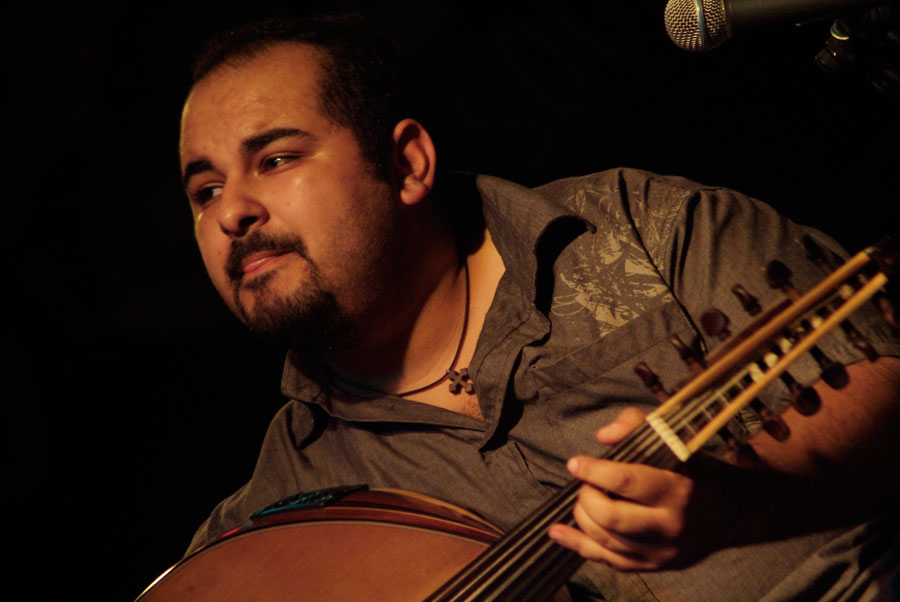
(319, 221)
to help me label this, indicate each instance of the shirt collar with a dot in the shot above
(518, 219)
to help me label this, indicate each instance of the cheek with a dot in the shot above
(205, 233)
(213, 249)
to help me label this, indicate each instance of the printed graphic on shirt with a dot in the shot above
(612, 278)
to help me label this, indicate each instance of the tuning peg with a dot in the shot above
(814, 252)
(651, 381)
(804, 399)
(858, 340)
(715, 324)
(748, 302)
(779, 276)
(887, 310)
(828, 261)
(741, 453)
(689, 356)
(886, 253)
(833, 373)
(853, 335)
(771, 422)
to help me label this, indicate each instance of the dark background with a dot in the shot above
(133, 401)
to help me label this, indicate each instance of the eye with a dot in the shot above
(205, 194)
(275, 161)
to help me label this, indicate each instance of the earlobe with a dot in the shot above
(414, 161)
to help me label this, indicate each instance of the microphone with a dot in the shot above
(701, 25)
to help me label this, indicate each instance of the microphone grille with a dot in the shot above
(683, 24)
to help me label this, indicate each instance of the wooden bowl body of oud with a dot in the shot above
(371, 545)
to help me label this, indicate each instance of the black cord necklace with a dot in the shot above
(459, 380)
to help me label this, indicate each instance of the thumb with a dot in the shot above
(624, 423)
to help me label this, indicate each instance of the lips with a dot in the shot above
(261, 259)
(256, 252)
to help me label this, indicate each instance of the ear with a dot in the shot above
(414, 161)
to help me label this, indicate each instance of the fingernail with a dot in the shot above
(614, 429)
(572, 465)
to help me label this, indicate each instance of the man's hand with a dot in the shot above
(830, 471)
(635, 517)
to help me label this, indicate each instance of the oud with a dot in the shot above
(352, 543)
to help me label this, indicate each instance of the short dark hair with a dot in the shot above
(360, 83)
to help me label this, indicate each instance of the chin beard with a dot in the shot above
(309, 322)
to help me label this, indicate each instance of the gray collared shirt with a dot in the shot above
(600, 270)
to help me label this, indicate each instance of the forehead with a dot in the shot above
(276, 87)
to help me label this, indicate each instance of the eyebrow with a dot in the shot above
(195, 167)
(248, 147)
(263, 139)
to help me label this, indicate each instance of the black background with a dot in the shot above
(133, 401)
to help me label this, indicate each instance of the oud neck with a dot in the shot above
(526, 564)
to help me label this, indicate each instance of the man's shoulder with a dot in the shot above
(624, 182)
(628, 204)
(630, 184)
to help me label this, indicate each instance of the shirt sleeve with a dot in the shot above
(719, 238)
(275, 477)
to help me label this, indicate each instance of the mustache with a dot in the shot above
(256, 242)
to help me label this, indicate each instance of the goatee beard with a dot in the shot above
(309, 322)
(307, 319)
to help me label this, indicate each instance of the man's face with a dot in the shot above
(292, 225)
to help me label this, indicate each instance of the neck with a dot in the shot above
(418, 339)
(427, 334)
(412, 328)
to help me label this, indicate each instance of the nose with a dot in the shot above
(240, 211)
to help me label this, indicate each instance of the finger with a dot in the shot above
(635, 482)
(575, 540)
(625, 422)
(622, 525)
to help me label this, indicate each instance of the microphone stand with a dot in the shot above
(866, 45)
